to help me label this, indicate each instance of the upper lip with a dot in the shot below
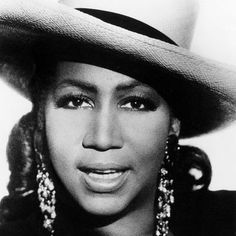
(102, 167)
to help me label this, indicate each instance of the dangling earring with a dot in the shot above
(165, 197)
(46, 195)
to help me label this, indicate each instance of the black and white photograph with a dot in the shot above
(118, 118)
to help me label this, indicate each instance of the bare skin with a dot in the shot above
(107, 134)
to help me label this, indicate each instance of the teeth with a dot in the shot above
(104, 171)
(105, 174)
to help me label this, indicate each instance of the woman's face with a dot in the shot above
(107, 135)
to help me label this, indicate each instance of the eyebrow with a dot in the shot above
(128, 86)
(80, 84)
(94, 89)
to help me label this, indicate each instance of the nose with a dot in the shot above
(104, 132)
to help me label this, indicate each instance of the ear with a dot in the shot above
(174, 126)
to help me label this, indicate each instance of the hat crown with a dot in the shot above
(174, 18)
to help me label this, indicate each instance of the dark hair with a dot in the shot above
(26, 134)
(22, 168)
(22, 187)
(192, 170)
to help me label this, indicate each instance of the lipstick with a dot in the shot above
(104, 178)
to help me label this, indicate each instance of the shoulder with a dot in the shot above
(218, 209)
(14, 229)
(206, 213)
(22, 227)
(223, 202)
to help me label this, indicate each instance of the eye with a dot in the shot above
(75, 102)
(139, 104)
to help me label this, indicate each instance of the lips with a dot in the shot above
(106, 174)
(104, 178)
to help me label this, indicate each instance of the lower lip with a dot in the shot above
(100, 184)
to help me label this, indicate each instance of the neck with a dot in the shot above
(140, 222)
(135, 221)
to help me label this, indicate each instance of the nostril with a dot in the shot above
(102, 143)
(103, 140)
(104, 132)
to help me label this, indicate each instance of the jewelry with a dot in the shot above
(46, 196)
(165, 189)
(47, 193)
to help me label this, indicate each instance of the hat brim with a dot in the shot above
(201, 92)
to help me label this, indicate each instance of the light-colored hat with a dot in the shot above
(153, 48)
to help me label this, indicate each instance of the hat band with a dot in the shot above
(128, 23)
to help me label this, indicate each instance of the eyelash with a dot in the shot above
(145, 103)
(65, 100)
(148, 104)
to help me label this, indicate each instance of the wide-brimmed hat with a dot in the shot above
(146, 40)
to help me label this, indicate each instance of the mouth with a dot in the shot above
(102, 178)
(104, 174)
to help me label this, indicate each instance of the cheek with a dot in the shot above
(147, 132)
(64, 131)
(65, 128)
(146, 135)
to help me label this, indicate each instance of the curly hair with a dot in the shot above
(22, 168)
(29, 133)
(22, 187)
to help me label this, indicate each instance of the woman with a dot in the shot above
(99, 154)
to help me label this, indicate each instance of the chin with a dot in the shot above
(103, 204)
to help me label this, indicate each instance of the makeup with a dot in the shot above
(104, 178)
